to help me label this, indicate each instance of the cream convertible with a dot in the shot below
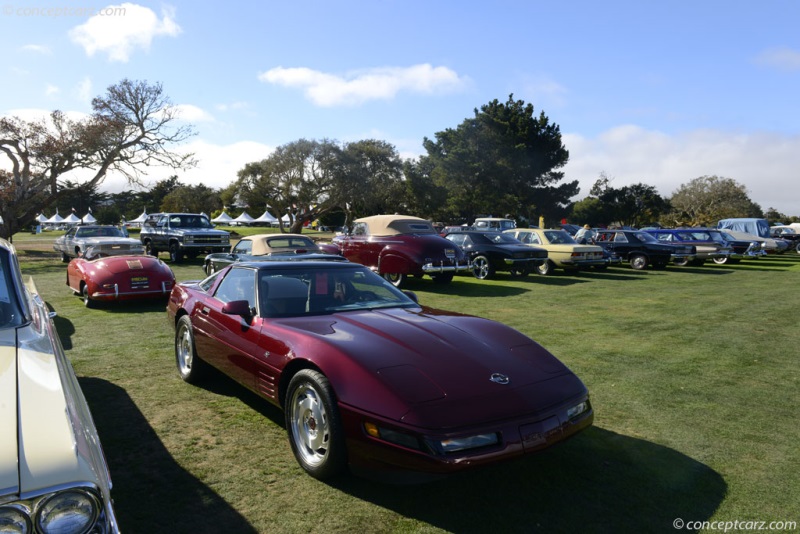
(53, 475)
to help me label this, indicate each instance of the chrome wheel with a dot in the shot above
(190, 367)
(88, 302)
(396, 279)
(481, 268)
(545, 268)
(312, 422)
(638, 262)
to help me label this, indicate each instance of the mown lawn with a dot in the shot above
(693, 374)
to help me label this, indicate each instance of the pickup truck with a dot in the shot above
(182, 234)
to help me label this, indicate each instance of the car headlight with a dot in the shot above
(578, 409)
(465, 443)
(67, 511)
(14, 520)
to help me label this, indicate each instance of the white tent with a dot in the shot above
(72, 219)
(55, 219)
(88, 219)
(222, 218)
(140, 219)
(244, 218)
(42, 218)
(266, 217)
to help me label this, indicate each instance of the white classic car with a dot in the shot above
(105, 239)
(53, 473)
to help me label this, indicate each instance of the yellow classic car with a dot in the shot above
(53, 474)
(562, 250)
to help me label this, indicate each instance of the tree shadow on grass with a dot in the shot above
(599, 481)
(152, 493)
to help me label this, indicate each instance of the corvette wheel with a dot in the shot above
(481, 268)
(89, 303)
(313, 424)
(638, 262)
(396, 279)
(545, 268)
(191, 368)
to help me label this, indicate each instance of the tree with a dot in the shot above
(193, 199)
(503, 160)
(630, 205)
(130, 129)
(707, 199)
(309, 179)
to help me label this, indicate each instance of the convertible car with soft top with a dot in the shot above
(369, 378)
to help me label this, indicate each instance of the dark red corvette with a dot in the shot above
(103, 278)
(368, 377)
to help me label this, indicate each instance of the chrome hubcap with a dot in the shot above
(309, 423)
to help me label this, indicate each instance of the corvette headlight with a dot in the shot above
(68, 511)
(451, 445)
(578, 409)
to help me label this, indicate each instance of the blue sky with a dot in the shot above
(651, 92)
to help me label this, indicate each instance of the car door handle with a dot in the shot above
(205, 310)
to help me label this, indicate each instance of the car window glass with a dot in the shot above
(664, 237)
(458, 239)
(239, 284)
(620, 237)
(360, 229)
(243, 247)
(206, 284)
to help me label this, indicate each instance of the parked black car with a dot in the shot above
(490, 252)
(708, 247)
(640, 249)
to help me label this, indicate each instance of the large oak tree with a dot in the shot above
(132, 127)
(505, 159)
(707, 199)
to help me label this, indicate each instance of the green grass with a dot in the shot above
(693, 374)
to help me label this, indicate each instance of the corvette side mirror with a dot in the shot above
(237, 307)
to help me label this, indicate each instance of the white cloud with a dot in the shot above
(51, 90)
(38, 49)
(190, 113)
(217, 166)
(767, 164)
(546, 91)
(83, 91)
(782, 58)
(232, 106)
(327, 90)
(130, 27)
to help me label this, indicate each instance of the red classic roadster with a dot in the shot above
(98, 277)
(366, 376)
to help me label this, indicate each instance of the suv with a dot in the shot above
(182, 234)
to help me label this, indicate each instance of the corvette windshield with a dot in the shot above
(320, 290)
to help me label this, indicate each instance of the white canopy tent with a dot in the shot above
(88, 219)
(222, 218)
(42, 218)
(140, 219)
(72, 219)
(266, 217)
(55, 219)
(244, 218)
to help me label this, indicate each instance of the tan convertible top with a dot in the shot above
(267, 243)
(396, 224)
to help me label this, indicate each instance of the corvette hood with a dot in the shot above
(441, 359)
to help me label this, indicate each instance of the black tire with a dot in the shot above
(545, 268)
(64, 258)
(88, 302)
(396, 279)
(175, 254)
(697, 263)
(190, 367)
(442, 278)
(482, 268)
(638, 262)
(519, 272)
(209, 268)
(722, 261)
(681, 262)
(149, 249)
(314, 426)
